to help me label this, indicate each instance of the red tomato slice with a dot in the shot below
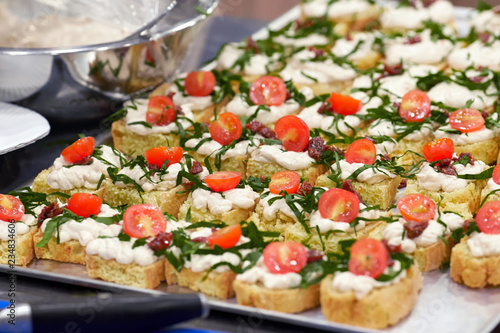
(466, 120)
(79, 151)
(361, 151)
(293, 133)
(200, 83)
(11, 208)
(286, 257)
(268, 90)
(150, 59)
(143, 220)
(158, 155)
(438, 150)
(496, 174)
(488, 218)
(226, 237)
(417, 207)
(226, 128)
(339, 205)
(369, 257)
(223, 180)
(415, 106)
(284, 181)
(345, 105)
(161, 111)
(84, 204)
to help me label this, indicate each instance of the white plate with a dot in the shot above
(20, 127)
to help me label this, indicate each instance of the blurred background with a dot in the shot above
(268, 10)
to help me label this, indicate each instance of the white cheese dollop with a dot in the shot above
(122, 252)
(220, 203)
(369, 176)
(476, 54)
(280, 205)
(66, 178)
(259, 64)
(21, 227)
(484, 245)
(363, 41)
(290, 160)
(209, 147)
(430, 179)
(487, 20)
(161, 183)
(462, 139)
(302, 69)
(441, 11)
(87, 230)
(196, 102)
(313, 119)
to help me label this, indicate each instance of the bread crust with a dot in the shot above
(432, 257)
(380, 308)
(216, 284)
(320, 88)
(168, 201)
(70, 251)
(236, 164)
(474, 272)
(133, 144)
(281, 300)
(131, 275)
(24, 251)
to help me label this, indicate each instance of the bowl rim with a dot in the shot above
(127, 42)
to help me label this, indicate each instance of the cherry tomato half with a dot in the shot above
(11, 208)
(284, 181)
(223, 180)
(488, 218)
(143, 220)
(369, 257)
(438, 150)
(496, 174)
(226, 237)
(84, 204)
(415, 106)
(345, 105)
(361, 151)
(293, 133)
(285, 257)
(339, 205)
(268, 90)
(158, 155)
(466, 120)
(161, 111)
(79, 151)
(417, 207)
(226, 128)
(201, 83)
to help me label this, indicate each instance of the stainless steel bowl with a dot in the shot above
(89, 82)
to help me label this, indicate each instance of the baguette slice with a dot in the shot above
(474, 272)
(216, 284)
(131, 275)
(432, 257)
(23, 250)
(281, 300)
(70, 251)
(380, 308)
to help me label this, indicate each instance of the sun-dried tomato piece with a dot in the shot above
(415, 228)
(162, 241)
(196, 168)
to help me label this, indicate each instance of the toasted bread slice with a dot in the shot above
(131, 275)
(258, 169)
(474, 272)
(216, 284)
(380, 308)
(70, 251)
(23, 249)
(486, 151)
(281, 300)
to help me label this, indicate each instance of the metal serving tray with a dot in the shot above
(443, 306)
